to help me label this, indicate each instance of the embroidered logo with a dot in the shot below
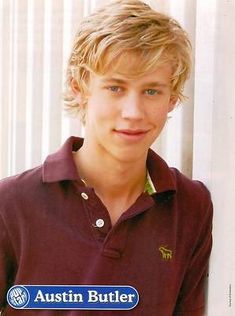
(166, 253)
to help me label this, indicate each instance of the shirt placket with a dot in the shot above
(112, 239)
(97, 215)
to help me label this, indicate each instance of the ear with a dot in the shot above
(76, 90)
(172, 103)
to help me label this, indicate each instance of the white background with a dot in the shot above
(35, 39)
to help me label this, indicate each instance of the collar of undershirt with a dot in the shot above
(149, 186)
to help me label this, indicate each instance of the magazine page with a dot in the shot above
(117, 169)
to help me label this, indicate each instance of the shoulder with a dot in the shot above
(15, 188)
(25, 178)
(189, 188)
(193, 200)
(169, 180)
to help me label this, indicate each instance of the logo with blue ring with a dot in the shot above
(18, 296)
(75, 297)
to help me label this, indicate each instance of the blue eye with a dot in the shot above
(114, 89)
(151, 92)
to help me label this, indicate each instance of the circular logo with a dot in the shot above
(18, 296)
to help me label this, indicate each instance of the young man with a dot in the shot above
(107, 210)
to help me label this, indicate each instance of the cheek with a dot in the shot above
(99, 110)
(159, 114)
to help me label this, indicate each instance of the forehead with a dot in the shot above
(132, 67)
(160, 76)
(134, 63)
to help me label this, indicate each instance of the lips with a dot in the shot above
(131, 131)
(131, 134)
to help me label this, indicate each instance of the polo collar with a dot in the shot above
(60, 166)
(161, 175)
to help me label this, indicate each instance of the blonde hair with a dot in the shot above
(127, 26)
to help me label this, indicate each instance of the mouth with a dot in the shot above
(131, 134)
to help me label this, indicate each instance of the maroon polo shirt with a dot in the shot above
(55, 230)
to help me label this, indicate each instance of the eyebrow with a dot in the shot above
(149, 84)
(107, 80)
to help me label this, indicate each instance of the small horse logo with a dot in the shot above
(166, 253)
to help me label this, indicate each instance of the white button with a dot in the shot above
(99, 222)
(84, 196)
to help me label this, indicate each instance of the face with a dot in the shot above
(124, 116)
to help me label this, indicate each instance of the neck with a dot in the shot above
(117, 183)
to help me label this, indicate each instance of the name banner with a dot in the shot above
(86, 297)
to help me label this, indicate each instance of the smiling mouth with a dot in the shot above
(129, 134)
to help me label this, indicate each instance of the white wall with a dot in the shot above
(214, 141)
(35, 39)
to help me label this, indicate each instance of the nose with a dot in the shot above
(132, 107)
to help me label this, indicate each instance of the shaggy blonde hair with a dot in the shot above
(127, 26)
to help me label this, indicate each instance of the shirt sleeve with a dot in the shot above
(191, 300)
(6, 264)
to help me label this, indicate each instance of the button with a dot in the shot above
(84, 196)
(99, 223)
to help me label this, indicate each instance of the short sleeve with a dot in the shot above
(191, 301)
(7, 269)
